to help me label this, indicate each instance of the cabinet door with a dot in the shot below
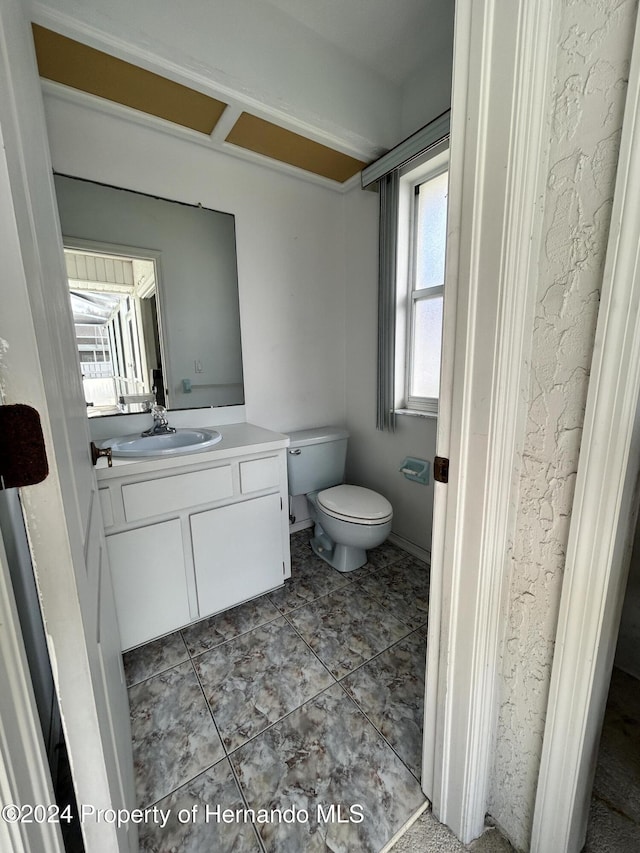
(237, 552)
(149, 584)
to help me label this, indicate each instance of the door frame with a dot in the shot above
(24, 770)
(38, 367)
(499, 151)
(603, 519)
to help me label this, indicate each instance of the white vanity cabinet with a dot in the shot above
(193, 535)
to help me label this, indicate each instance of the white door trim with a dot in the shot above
(497, 173)
(603, 517)
(24, 772)
(39, 367)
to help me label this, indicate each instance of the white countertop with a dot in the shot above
(237, 439)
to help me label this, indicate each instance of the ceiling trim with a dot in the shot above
(428, 136)
(56, 91)
(227, 120)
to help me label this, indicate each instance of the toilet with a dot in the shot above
(349, 520)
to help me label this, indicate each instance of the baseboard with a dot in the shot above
(300, 525)
(411, 547)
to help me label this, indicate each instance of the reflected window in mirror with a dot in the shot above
(181, 335)
(113, 301)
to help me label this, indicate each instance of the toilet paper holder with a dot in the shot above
(416, 469)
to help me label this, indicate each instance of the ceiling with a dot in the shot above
(392, 37)
(317, 85)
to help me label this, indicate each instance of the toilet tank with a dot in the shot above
(316, 459)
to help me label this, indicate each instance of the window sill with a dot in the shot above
(417, 413)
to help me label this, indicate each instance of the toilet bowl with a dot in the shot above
(348, 520)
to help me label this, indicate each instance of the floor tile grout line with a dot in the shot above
(186, 782)
(365, 662)
(191, 656)
(159, 672)
(380, 600)
(193, 625)
(239, 787)
(284, 717)
(317, 597)
(229, 752)
(224, 642)
(224, 755)
(375, 727)
(319, 659)
(342, 588)
(409, 629)
(246, 802)
(378, 654)
(368, 594)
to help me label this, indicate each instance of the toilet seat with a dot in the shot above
(355, 504)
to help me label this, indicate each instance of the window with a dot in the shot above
(411, 180)
(422, 231)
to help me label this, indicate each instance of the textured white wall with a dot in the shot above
(594, 43)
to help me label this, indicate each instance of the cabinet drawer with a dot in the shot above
(256, 474)
(168, 494)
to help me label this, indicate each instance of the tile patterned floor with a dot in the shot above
(304, 705)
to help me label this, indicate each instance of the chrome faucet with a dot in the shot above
(160, 422)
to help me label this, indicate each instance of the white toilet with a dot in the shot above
(349, 520)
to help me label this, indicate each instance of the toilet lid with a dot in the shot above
(353, 503)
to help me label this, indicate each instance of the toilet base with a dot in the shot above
(343, 558)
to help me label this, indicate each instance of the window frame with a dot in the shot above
(433, 163)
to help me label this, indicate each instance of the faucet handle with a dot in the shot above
(159, 413)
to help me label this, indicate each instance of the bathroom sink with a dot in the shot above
(180, 441)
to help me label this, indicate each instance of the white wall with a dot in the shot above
(375, 457)
(289, 239)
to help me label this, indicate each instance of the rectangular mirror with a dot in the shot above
(154, 292)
